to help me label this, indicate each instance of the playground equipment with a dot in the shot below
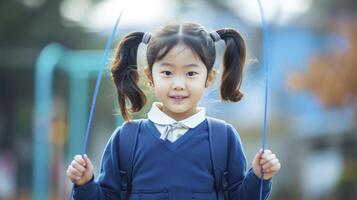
(81, 67)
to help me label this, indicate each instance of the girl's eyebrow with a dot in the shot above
(172, 65)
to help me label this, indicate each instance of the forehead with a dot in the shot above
(180, 55)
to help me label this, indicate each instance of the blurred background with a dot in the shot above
(50, 53)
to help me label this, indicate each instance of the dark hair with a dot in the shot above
(124, 68)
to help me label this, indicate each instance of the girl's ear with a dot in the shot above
(211, 77)
(148, 74)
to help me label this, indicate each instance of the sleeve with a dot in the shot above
(107, 186)
(242, 184)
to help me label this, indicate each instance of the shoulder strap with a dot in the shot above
(127, 144)
(218, 139)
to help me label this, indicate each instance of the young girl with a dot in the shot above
(172, 155)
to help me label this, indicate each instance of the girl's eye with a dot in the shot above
(166, 73)
(191, 73)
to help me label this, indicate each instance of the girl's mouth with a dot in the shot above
(178, 98)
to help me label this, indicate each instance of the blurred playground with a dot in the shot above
(50, 57)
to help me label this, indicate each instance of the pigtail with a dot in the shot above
(125, 74)
(233, 62)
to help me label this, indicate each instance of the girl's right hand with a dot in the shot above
(80, 171)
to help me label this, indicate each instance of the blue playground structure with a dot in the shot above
(81, 67)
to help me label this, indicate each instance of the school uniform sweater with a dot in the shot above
(174, 171)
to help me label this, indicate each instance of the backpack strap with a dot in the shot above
(127, 143)
(218, 141)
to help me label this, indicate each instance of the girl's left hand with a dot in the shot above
(268, 161)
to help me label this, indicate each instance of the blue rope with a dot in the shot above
(97, 85)
(266, 46)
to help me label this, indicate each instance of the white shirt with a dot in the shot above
(170, 128)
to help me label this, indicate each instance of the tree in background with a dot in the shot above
(332, 77)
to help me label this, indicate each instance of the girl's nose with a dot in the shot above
(179, 88)
(178, 85)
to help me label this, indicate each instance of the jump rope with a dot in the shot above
(266, 46)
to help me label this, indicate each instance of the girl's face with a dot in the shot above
(179, 81)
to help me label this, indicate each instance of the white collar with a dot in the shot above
(161, 118)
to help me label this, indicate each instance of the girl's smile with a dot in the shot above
(178, 98)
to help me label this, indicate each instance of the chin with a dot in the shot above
(177, 109)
